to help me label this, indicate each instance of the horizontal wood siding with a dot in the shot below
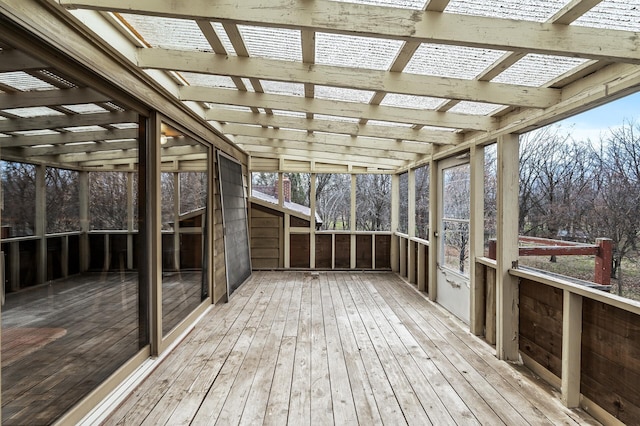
(541, 324)
(323, 251)
(296, 222)
(300, 250)
(383, 251)
(363, 251)
(610, 370)
(266, 227)
(343, 251)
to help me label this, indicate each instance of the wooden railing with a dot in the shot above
(412, 259)
(583, 341)
(602, 250)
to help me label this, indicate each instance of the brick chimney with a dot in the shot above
(286, 189)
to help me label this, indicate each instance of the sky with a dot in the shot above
(596, 122)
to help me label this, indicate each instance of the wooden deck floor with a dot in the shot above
(340, 348)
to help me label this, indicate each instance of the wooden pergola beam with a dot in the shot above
(362, 79)
(16, 60)
(377, 154)
(69, 137)
(397, 23)
(437, 137)
(341, 141)
(337, 108)
(59, 121)
(38, 98)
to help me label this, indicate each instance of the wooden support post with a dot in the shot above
(434, 182)
(403, 256)
(41, 224)
(130, 219)
(571, 348)
(604, 260)
(312, 209)
(507, 296)
(395, 220)
(476, 274)
(106, 261)
(411, 225)
(333, 251)
(64, 256)
(490, 310)
(176, 221)
(287, 240)
(411, 261)
(373, 251)
(14, 259)
(83, 193)
(422, 267)
(353, 222)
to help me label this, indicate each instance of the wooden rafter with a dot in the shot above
(59, 121)
(337, 108)
(397, 23)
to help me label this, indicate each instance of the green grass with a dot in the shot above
(582, 267)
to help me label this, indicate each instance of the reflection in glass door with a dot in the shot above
(453, 257)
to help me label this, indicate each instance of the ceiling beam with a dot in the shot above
(397, 23)
(51, 98)
(574, 10)
(323, 156)
(88, 147)
(69, 137)
(305, 164)
(337, 108)
(59, 121)
(313, 148)
(363, 79)
(131, 153)
(16, 60)
(351, 142)
(333, 126)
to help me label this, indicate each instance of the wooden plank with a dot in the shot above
(491, 378)
(387, 404)
(321, 395)
(343, 406)
(300, 398)
(361, 388)
(263, 381)
(571, 348)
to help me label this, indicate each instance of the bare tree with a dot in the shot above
(373, 202)
(18, 198)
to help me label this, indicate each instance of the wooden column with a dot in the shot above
(432, 273)
(411, 226)
(352, 219)
(41, 224)
(176, 221)
(83, 192)
(571, 348)
(287, 240)
(476, 274)
(395, 219)
(130, 219)
(422, 267)
(312, 209)
(507, 248)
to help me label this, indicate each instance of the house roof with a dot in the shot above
(358, 85)
(289, 205)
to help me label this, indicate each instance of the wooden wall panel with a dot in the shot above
(363, 251)
(323, 251)
(191, 251)
(610, 368)
(343, 251)
(541, 324)
(383, 251)
(296, 222)
(265, 231)
(300, 249)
